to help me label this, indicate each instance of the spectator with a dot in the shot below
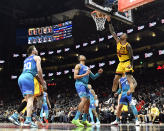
(154, 113)
(142, 115)
(161, 115)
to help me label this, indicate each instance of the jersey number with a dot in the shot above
(27, 66)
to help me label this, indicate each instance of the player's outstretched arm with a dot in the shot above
(111, 29)
(76, 71)
(130, 52)
(95, 76)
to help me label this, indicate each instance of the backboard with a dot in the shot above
(110, 7)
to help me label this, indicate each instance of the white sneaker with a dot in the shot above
(30, 124)
(137, 123)
(115, 122)
(92, 123)
(98, 123)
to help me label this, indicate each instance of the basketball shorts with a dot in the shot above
(123, 67)
(125, 99)
(29, 85)
(124, 108)
(26, 83)
(82, 90)
(38, 89)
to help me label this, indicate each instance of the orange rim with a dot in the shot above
(96, 12)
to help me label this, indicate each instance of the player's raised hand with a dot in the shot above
(100, 71)
(88, 71)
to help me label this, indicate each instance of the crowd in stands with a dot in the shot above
(64, 103)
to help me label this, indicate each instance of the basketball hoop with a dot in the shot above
(99, 19)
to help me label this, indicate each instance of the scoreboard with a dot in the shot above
(50, 33)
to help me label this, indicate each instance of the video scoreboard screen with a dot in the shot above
(50, 33)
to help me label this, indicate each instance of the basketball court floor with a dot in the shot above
(70, 127)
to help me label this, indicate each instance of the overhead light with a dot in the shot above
(108, 46)
(96, 49)
(44, 59)
(153, 34)
(2, 61)
(138, 38)
(77, 54)
(60, 57)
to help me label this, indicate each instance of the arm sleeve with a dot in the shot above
(119, 91)
(94, 76)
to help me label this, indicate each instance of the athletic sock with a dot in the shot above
(28, 119)
(97, 119)
(117, 119)
(77, 115)
(41, 119)
(84, 117)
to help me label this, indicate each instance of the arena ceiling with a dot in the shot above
(21, 9)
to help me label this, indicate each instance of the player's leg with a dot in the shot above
(86, 110)
(28, 85)
(129, 70)
(41, 114)
(46, 113)
(97, 118)
(91, 116)
(30, 100)
(81, 90)
(118, 114)
(118, 75)
(133, 108)
(121, 103)
(14, 117)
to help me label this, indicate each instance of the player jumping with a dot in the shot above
(81, 75)
(125, 56)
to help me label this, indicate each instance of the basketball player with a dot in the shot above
(45, 105)
(92, 107)
(81, 75)
(38, 91)
(32, 66)
(125, 56)
(125, 99)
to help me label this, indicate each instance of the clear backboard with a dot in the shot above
(110, 7)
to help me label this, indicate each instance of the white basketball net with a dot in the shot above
(100, 22)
